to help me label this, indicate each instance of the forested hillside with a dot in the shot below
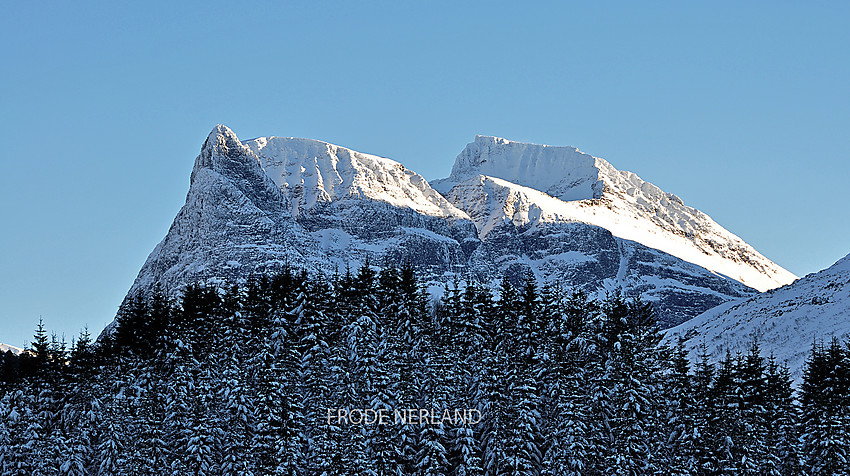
(245, 381)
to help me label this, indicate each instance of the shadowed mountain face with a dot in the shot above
(258, 206)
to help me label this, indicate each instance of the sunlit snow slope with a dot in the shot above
(588, 189)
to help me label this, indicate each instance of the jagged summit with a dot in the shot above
(271, 202)
(221, 141)
(619, 201)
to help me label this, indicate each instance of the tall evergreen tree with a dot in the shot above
(824, 401)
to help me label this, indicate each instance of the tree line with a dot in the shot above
(242, 380)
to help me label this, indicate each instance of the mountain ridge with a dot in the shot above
(271, 202)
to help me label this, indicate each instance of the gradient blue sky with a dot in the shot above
(740, 108)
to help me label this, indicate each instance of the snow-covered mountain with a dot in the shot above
(270, 202)
(592, 191)
(10, 348)
(786, 321)
(275, 202)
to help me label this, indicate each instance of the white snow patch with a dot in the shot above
(10, 348)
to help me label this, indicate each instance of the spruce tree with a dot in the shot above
(824, 418)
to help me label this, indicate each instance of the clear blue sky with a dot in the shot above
(740, 108)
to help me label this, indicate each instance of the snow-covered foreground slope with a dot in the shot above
(10, 348)
(258, 206)
(786, 320)
(588, 189)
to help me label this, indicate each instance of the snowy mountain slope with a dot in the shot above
(530, 231)
(590, 190)
(786, 320)
(10, 348)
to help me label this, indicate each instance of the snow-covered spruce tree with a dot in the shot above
(476, 302)
(493, 394)
(824, 419)
(203, 310)
(569, 420)
(466, 459)
(20, 408)
(447, 315)
(432, 456)
(236, 406)
(346, 445)
(433, 384)
(313, 384)
(781, 416)
(726, 416)
(523, 436)
(357, 369)
(626, 393)
(51, 387)
(705, 430)
(679, 417)
(464, 346)
(755, 458)
(16, 431)
(147, 369)
(548, 380)
(114, 424)
(407, 322)
(81, 410)
(432, 379)
(276, 433)
(375, 384)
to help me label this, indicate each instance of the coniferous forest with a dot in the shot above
(250, 380)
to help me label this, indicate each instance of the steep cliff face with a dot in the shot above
(257, 206)
(236, 221)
